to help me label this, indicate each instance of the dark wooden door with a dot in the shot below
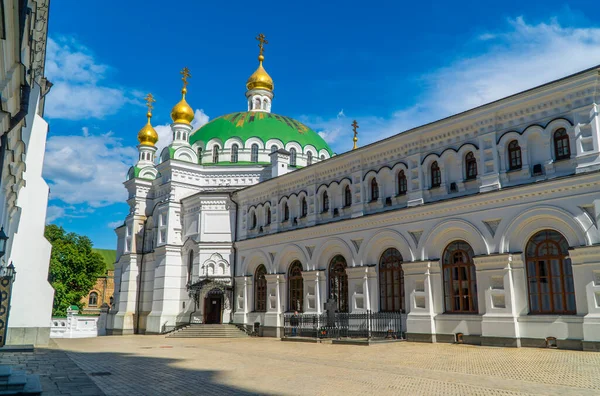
(212, 309)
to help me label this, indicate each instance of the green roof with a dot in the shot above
(109, 256)
(264, 126)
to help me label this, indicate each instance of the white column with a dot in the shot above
(421, 278)
(358, 288)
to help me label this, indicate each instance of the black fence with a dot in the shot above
(383, 325)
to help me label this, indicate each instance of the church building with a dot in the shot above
(482, 225)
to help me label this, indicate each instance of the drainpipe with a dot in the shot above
(139, 282)
(234, 239)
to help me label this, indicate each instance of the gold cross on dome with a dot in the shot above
(149, 100)
(261, 42)
(185, 72)
(355, 139)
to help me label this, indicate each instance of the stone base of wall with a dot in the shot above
(271, 331)
(119, 332)
(500, 342)
(445, 338)
(591, 346)
(420, 337)
(28, 336)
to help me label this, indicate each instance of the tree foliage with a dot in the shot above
(74, 268)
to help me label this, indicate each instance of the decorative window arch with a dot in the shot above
(338, 282)
(295, 287)
(436, 175)
(199, 155)
(402, 185)
(267, 215)
(322, 157)
(471, 166)
(286, 211)
(303, 207)
(514, 155)
(234, 153)
(347, 196)
(260, 289)
(460, 282)
(292, 157)
(325, 199)
(215, 154)
(254, 153)
(253, 220)
(309, 158)
(550, 275)
(562, 150)
(391, 281)
(190, 267)
(374, 190)
(93, 299)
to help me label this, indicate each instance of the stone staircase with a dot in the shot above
(18, 382)
(208, 331)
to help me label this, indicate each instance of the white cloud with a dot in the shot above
(115, 224)
(165, 135)
(87, 169)
(54, 212)
(77, 92)
(522, 57)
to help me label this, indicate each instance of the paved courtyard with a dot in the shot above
(155, 365)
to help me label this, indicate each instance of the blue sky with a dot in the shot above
(391, 65)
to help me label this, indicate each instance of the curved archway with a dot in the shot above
(338, 282)
(295, 287)
(460, 281)
(391, 281)
(260, 289)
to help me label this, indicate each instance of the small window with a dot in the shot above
(93, 299)
(514, 156)
(253, 220)
(260, 289)
(215, 154)
(402, 186)
(286, 212)
(254, 153)
(561, 145)
(325, 202)
(471, 165)
(293, 157)
(322, 157)
(267, 215)
(309, 158)
(234, 153)
(347, 196)
(436, 175)
(199, 155)
(304, 207)
(374, 190)
(273, 148)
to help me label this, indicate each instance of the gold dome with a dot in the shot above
(260, 79)
(182, 113)
(147, 135)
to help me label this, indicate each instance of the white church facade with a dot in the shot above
(481, 226)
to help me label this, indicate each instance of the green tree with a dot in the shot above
(74, 268)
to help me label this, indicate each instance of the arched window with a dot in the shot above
(253, 220)
(260, 289)
(254, 153)
(267, 215)
(286, 211)
(273, 148)
(561, 145)
(549, 274)
(338, 282)
(391, 281)
(295, 287)
(309, 158)
(325, 202)
(215, 154)
(190, 267)
(471, 166)
(460, 283)
(374, 190)
(436, 175)
(514, 155)
(347, 196)
(234, 153)
(93, 299)
(304, 207)
(402, 186)
(322, 157)
(293, 156)
(199, 155)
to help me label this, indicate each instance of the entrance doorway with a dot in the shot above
(212, 308)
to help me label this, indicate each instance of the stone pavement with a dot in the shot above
(155, 365)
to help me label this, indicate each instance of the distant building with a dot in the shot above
(23, 192)
(103, 290)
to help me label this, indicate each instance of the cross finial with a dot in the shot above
(185, 73)
(149, 100)
(261, 43)
(355, 139)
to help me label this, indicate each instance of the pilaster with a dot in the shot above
(421, 278)
(360, 281)
(585, 262)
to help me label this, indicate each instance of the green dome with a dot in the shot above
(264, 126)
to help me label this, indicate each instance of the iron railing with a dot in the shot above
(368, 324)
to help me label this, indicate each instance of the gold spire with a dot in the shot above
(182, 113)
(147, 135)
(260, 79)
(355, 139)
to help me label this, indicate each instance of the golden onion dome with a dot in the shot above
(260, 79)
(182, 113)
(147, 135)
